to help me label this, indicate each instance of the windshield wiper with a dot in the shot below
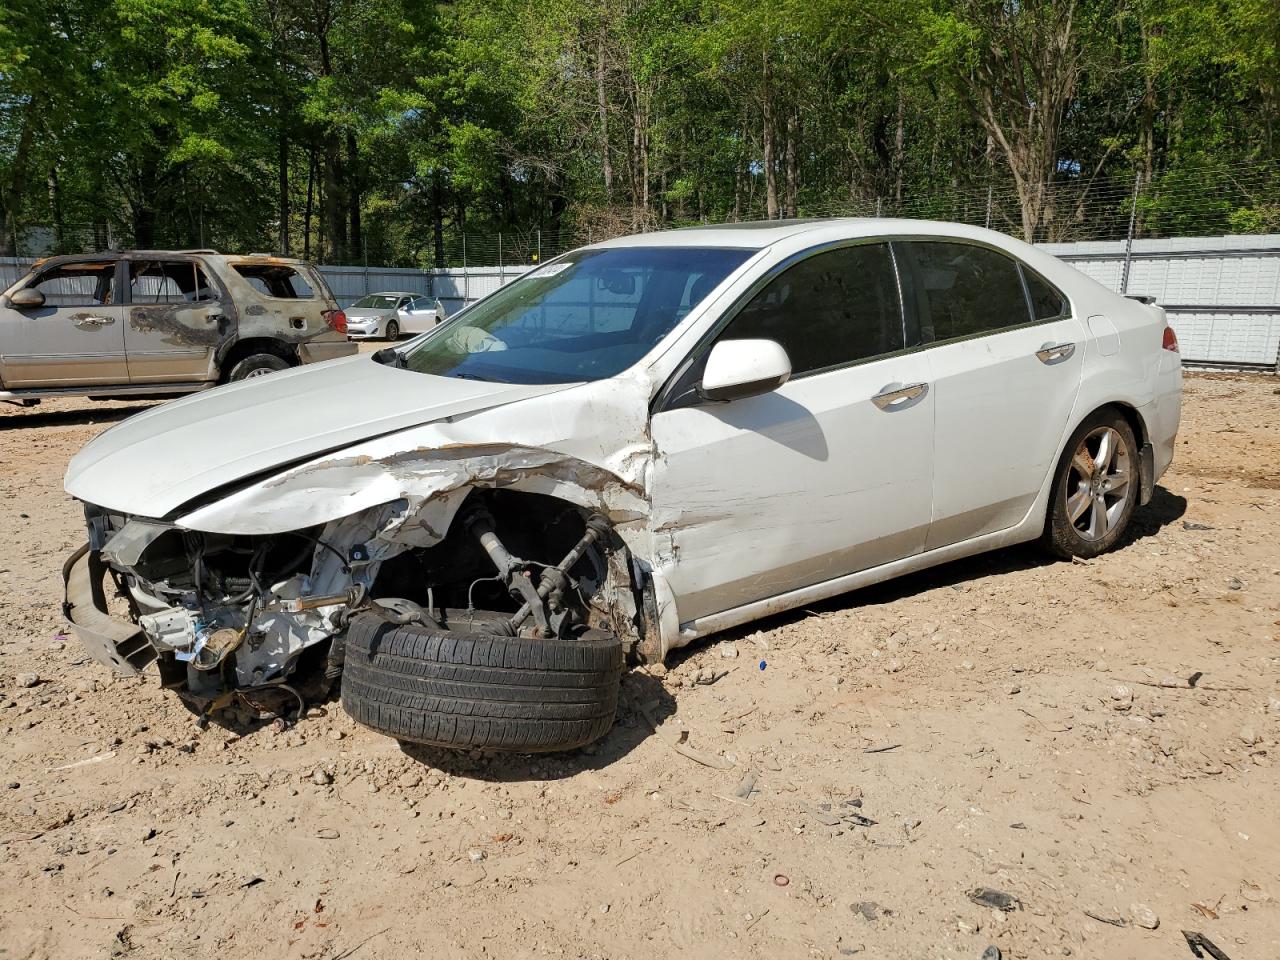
(476, 376)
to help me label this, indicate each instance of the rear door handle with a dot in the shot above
(93, 321)
(1051, 353)
(895, 396)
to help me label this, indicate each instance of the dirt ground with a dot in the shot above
(1001, 722)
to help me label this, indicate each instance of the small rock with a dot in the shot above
(995, 899)
(1235, 583)
(868, 909)
(1273, 705)
(26, 679)
(657, 669)
(966, 664)
(1121, 697)
(893, 666)
(475, 856)
(408, 781)
(729, 651)
(328, 833)
(604, 908)
(991, 953)
(14, 785)
(1248, 736)
(148, 833)
(336, 734)
(1192, 525)
(320, 777)
(1101, 666)
(1144, 916)
(1013, 689)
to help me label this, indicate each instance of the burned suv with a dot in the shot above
(159, 322)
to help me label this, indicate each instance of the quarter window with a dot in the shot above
(833, 308)
(962, 290)
(1046, 302)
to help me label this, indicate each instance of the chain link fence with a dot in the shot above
(1212, 201)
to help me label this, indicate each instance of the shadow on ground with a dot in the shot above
(631, 729)
(68, 418)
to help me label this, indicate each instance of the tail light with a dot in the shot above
(336, 319)
(1170, 340)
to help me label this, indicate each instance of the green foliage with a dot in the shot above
(398, 124)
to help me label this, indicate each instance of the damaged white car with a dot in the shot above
(640, 443)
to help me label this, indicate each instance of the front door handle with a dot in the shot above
(895, 396)
(88, 322)
(1051, 353)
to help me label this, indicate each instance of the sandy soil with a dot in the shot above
(1001, 721)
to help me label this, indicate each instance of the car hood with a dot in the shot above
(160, 459)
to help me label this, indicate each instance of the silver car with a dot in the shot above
(421, 315)
(376, 316)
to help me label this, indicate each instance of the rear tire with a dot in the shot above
(393, 330)
(480, 690)
(1096, 488)
(256, 365)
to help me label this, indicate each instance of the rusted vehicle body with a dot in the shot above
(155, 322)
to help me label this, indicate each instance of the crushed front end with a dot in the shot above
(222, 615)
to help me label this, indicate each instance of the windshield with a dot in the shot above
(587, 316)
(375, 301)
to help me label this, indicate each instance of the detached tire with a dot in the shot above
(257, 365)
(479, 690)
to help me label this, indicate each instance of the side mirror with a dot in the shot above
(27, 297)
(744, 368)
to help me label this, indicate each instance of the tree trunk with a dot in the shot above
(899, 148)
(284, 191)
(437, 220)
(793, 174)
(602, 108)
(55, 208)
(335, 218)
(770, 167)
(13, 197)
(306, 215)
(354, 194)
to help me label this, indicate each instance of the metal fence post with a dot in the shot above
(502, 273)
(466, 279)
(878, 206)
(539, 244)
(989, 197)
(1128, 240)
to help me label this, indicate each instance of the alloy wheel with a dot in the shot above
(1099, 483)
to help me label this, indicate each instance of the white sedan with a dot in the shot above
(640, 443)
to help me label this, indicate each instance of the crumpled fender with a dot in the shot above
(589, 445)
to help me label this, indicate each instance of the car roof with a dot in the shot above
(758, 234)
(393, 293)
(267, 258)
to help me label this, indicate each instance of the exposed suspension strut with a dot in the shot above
(515, 573)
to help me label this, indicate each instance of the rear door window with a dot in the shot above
(78, 284)
(276, 280)
(169, 281)
(831, 309)
(961, 290)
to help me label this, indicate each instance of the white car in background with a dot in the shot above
(640, 443)
(421, 314)
(376, 316)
